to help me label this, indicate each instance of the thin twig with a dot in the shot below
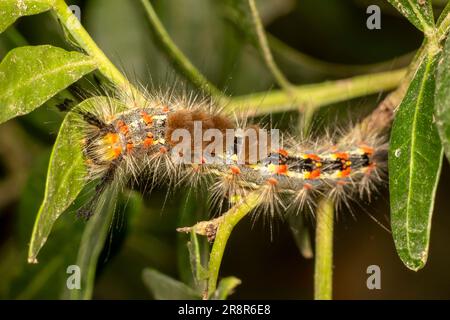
(222, 228)
(84, 40)
(317, 95)
(282, 81)
(299, 62)
(230, 220)
(176, 56)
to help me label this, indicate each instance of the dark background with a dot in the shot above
(330, 30)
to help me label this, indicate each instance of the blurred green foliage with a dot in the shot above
(142, 233)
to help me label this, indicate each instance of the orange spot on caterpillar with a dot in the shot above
(341, 155)
(163, 150)
(312, 175)
(111, 138)
(281, 169)
(366, 149)
(147, 118)
(235, 170)
(307, 186)
(313, 157)
(344, 173)
(272, 181)
(148, 142)
(283, 152)
(129, 147)
(117, 152)
(123, 128)
(165, 109)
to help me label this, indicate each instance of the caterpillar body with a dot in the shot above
(141, 140)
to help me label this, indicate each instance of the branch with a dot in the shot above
(317, 95)
(176, 56)
(84, 40)
(219, 231)
(265, 50)
(323, 268)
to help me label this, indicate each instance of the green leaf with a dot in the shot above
(226, 287)
(418, 12)
(198, 270)
(442, 98)
(98, 230)
(164, 287)
(66, 175)
(46, 279)
(31, 75)
(93, 241)
(191, 262)
(444, 14)
(301, 235)
(415, 159)
(65, 180)
(11, 10)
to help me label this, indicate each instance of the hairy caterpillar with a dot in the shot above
(128, 139)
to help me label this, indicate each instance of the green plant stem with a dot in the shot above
(444, 22)
(301, 62)
(15, 37)
(316, 95)
(323, 268)
(229, 220)
(176, 56)
(265, 50)
(84, 40)
(443, 26)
